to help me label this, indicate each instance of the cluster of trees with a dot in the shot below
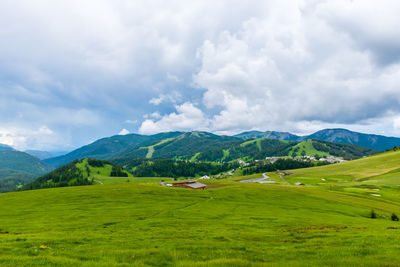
(346, 151)
(171, 168)
(280, 164)
(66, 175)
(117, 171)
(98, 162)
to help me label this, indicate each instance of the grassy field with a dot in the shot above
(307, 148)
(140, 223)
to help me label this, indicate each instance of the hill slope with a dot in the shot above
(5, 147)
(78, 172)
(373, 141)
(203, 146)
(185, 145)
(377, 142)
(19, 168)
(378, 166)
(229, 224)
(268, 134)
(106, 148)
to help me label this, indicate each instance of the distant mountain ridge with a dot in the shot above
(19, 167)
(204, 146)
(4, 147)
(268, 134)
(338, 135)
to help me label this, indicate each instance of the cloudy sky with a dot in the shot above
(75, 71)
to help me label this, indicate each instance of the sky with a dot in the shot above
(75, 71)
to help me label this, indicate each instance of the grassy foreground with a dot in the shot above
(230, 225)
(136, 222)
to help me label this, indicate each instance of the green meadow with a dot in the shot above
(136, 222)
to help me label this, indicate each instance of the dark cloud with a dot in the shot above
(74, 71)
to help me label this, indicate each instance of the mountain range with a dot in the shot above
(373, 141)
(204, 146)
(20, 167)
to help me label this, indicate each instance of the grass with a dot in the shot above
(307, 148)
(140, 223)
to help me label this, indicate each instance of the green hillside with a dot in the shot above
(200, 146)
(10, 180)
(19, 168)
(78, 172)
(229, 224)
(20, 161)
(372, 141)
(107, 148)
(184, 146)
(381, 166)
(204, 146)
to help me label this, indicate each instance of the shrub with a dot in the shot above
(394, 217)
(373, 214)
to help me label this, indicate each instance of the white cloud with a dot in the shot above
(172, 97)
(278, 64)
(288, 68)
(186, 118)
(124, 132)
(22, 138)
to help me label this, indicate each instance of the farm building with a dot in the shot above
(190, 185)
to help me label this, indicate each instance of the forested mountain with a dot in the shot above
(5, 147)
(377, 142)
(77, 172)
(268, 134)
(203, 146)
(186, 146)
(18, 167)
(373, 141)
(106, 148)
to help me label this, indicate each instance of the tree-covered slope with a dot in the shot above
(10, 180)
(261, 148)
(106, 148)
(5, 147)
(77, 172)
(269, 134)
(20, 161)
(204, 146)
(373, 141)
(185, 146)
(19, 168)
